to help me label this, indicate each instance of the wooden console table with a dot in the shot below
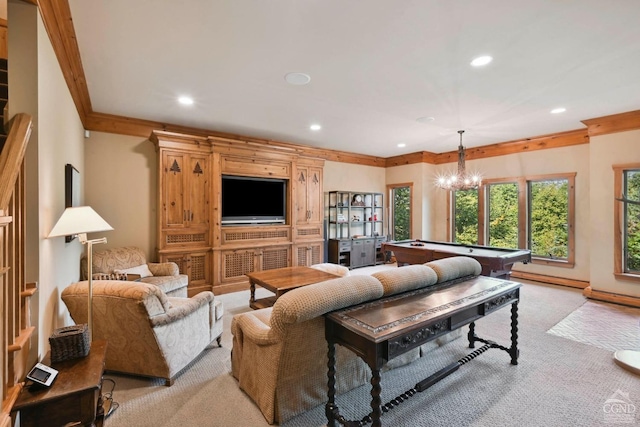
(381, 330)
(72, 398)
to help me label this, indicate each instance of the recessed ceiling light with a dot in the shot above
(481, 61)
(558, 110)
(425, 119)
(402, 145)
(185, 100)
(315, 127)
(297, 78)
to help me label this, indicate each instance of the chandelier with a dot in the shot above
(462, 180)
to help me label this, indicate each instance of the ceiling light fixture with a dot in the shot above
(460, 180)
(425, 119)
(402, 145)
(297, 78)
(185, 100)
(315, 127)
(481, 61)
(558, 110)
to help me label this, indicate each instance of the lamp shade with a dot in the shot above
(78, 220)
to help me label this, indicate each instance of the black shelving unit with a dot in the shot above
(355, 228)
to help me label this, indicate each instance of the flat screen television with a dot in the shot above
(251, 200)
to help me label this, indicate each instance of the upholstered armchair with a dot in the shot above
(130, 262)
(148, 333)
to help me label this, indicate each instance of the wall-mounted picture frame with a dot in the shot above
(71, 190)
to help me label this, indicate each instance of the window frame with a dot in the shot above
(619, 208)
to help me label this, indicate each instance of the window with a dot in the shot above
(627, 221)
(465, 212)
(549, 218)
(400, 211)
(503, 215)
(534, 212)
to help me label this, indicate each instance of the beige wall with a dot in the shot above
(606, 151)
(348, 177)
(121, 185)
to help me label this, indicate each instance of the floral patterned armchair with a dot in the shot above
(130, 263)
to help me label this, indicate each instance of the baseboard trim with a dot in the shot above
(572, 283)
(611, 297)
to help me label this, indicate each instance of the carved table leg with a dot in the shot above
(376, 402)
(331, 383)
(252, 288)
(471, 336)
(513, 351)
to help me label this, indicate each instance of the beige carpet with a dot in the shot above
(558, 381)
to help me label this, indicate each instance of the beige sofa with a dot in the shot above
(279, 354)
(147, 333)
(130, 261)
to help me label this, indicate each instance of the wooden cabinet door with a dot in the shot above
(357, 254)
(174, 179)
(308, 195)
(369, 252)
(185, 193)
(363, 252)
(314, 195)
(308, 254)
(196, 265)
(302, 213)
(198, 184)
(275, 257)
(236, 263)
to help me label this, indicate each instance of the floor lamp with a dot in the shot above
(80, 221)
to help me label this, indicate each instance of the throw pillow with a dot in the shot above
(142, 270)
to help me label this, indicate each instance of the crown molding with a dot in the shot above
(411, 158)
(56, 16)
(526, 145)
(614, 123)
(100, 122)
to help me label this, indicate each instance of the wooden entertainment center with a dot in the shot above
(190, 230)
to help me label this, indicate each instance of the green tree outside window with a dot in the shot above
(401, 200)
(466, 217)
(631, 197)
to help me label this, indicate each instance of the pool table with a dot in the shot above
(495, 262)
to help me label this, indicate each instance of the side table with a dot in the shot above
(72, 398)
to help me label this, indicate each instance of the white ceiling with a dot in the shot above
(375, 66)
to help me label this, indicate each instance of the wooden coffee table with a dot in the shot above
(281, 280)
